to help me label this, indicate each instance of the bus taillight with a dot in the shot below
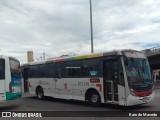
(10, 87)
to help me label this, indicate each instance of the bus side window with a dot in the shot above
(51, 70)
(33, 71)
(90, 68)
(59, 70)
(41, 71)
(2, 69)
(73, 69)
(46, 70)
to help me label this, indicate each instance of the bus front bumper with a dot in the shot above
(134, 100)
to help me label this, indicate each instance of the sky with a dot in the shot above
(60, 27)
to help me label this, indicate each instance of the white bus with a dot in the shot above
(118, 77)
(10, 79)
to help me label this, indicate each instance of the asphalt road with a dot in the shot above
(31, 103)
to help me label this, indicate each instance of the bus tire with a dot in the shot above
(94, 99)
(40, 93)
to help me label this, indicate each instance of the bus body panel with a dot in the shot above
(114, 88)
(66, 88)
(134, 100)
(16, 88)
(12, 84)
(15, 85)
(2, 90)
(9, 95)
(121, 95)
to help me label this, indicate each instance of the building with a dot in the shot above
(30, 56)
(153, 55)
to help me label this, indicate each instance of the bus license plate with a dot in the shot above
(145, 99)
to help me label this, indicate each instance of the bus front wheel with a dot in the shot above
(94, 99)
(40, 93)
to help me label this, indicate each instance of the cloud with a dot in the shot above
(59, 27)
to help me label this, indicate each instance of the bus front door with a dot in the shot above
(25, 79)
(111, 80)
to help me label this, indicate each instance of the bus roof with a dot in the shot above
(80, 57)
(5, 57)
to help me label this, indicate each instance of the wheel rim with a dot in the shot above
(94, 98)
(40, 94)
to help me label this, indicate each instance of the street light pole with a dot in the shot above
(91, 27)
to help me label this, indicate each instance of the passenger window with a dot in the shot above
(90, 68)
(33, 71)
(59, 70)
(2, 69)
(73, 69)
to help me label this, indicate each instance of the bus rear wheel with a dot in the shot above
(40, 93)
(94, 99)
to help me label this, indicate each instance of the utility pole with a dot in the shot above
(91, 27)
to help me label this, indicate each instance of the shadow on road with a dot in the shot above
(86, 104)
(8, 107)
(62, 101)
(126, 108)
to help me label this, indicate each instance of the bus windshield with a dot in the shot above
(138, 72)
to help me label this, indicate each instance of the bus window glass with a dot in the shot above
(42, 71)
(112, 70)
(46, 70)
(33, 72)
(15, 74)
(15, 66)
(59, 70)
(90, 68)
(51, 69)
(2, 69)
(138, 71)
(121, 75)
(73, 69)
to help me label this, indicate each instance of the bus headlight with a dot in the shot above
(132, 92)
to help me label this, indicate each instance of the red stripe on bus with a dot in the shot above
(59, 60)
(99, 86)
(142, 94)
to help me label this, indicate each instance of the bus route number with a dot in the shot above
(83, 83)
